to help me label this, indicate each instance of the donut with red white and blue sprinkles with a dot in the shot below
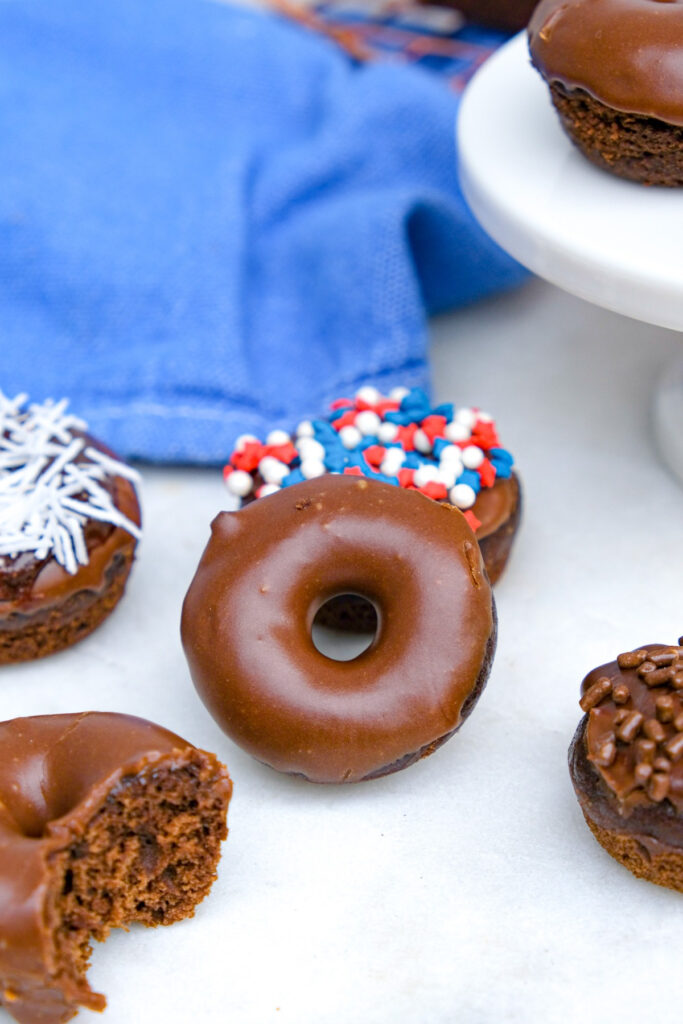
(450, 455)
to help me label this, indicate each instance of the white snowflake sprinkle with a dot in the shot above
(51, 483)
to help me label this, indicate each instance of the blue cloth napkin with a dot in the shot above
(212, 222)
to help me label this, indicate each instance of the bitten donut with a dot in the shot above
(69, 525)
(449, 455)
(626, 760)
(105, 819)
(615, 73)
(267, 570)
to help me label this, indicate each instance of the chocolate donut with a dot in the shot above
(268, 569)
(449, 455)
(626, 761)
(69, 524)
(507, 15)
(615, 72)
(105, 819)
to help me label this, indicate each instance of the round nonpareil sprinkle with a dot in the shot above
(446, 453)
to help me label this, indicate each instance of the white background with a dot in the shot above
(466, 888)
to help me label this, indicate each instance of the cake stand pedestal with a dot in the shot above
(611, 242)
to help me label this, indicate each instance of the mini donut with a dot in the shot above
(69, 525)
(267, 570)
(626, 760)
(615, 73)
(105, 819)
(453, 456)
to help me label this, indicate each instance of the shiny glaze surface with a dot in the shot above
(495, 505)
(266, 571)
(54, 771)
(628, 54)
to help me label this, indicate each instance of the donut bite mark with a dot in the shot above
(69, 526)
(626, 761)
(105, 820)
(268, 569)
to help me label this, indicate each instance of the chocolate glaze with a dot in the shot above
(610, 794)
(269, 567)
(628, 54)
(55, 771)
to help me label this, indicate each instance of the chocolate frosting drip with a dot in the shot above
(634, 727)
(54, 772)
(266, 571)
(628, 54)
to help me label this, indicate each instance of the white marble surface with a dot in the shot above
(466, 888)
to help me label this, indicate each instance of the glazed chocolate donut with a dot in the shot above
(69, 525)
(626, 760)
(615, 73)
(450, 455)
(105, 819)
(268, 569)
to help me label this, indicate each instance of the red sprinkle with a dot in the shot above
(472, 519)
(284, 452)
(374, 454)
(227, 470)
(353, 471)
(484, 435)
(249, 458)
(435, 490)
(347, 419)
(434, 426)
(405, 477)
(341, 403)
(487, 473)
(405, 437)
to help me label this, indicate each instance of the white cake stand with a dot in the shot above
(612, 242)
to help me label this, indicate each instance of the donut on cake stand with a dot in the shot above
(612, 242)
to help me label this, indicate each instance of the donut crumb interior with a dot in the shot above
(147, 855)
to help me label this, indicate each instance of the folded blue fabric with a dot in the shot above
(212, 222)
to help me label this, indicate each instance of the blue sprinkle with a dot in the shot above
(447, 409)
(469, 476)
(401, 419)
(503, 469)
(416, 398)
(412, 461)
(502, 454)
(439, 444)
(322, 430)
(295, 477)
(334, 462)
(367, 442)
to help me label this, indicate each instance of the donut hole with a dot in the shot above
(344, 627)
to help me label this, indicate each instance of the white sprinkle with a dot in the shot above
(450, 454)
(239, 483)
(276, 437)
(350, 436)
(311, 468)
(243, 440)
(456, 431)
(387, 432)
(266, 489)
(467, 417)
(472, 456)
(369, 394)
(448, 474)
(392, 461)
(422, 442)
(398, 394)
(272, 470)
(309, 448)
(425, 474)
(305, 429)
(462, 496)
(368, 423)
